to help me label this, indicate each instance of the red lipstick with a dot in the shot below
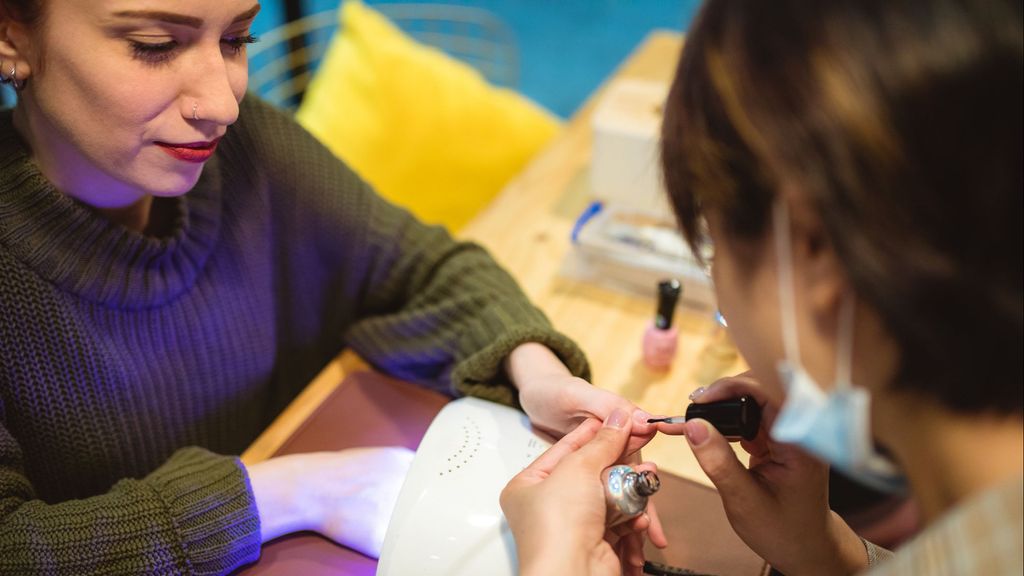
(191, 152)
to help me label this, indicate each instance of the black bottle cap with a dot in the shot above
(668, 296)
(735, 418)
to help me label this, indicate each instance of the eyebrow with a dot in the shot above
(182, 19)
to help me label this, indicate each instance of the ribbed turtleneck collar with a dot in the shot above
(83, 253)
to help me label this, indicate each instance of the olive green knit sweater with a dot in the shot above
(133, 367)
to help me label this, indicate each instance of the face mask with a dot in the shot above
(834, 426)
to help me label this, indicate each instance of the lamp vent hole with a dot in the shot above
(464, 449)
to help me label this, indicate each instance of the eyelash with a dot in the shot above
(238, 43)
(158, 53)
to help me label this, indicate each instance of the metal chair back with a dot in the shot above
(284, 61)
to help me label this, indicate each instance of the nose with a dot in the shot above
(212, 90)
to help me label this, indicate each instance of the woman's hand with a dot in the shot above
(557, 402)
(346, 496)
(779, 506)
(556, 507)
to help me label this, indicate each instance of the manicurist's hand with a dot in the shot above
(557, 402)
(346, 496)
(556, 507)
(779, 506)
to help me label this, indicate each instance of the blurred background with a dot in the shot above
(566, 47)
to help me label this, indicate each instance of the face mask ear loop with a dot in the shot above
(787, 293)
(844, 343)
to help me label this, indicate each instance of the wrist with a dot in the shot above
(532, 361)
(279, 501)
(842, 553)
(852, 554)
(553, 563)
(546, 548)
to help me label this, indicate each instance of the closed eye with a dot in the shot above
(238, 43)
(153, 52)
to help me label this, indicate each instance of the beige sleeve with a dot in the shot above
(876, 554)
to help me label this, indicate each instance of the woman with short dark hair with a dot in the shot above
(857, 167)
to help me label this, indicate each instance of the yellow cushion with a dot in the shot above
(427, 131)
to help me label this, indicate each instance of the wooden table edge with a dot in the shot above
(302, 407)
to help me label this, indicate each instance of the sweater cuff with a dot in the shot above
(210, 502)
(876, 554)
(482, 374)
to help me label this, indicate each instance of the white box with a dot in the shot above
(625, 166)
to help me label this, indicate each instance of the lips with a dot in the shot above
(190, 152)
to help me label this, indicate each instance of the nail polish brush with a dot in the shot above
(736, 418)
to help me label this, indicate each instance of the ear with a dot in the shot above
(819, 272)
(15, 47)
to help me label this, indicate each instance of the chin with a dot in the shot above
(176, 184)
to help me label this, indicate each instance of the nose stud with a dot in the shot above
(195, 113)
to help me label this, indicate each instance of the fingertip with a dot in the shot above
(640, 424)
(675, 429)
(646, 465)
(698, 431)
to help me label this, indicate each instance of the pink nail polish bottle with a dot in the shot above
(660, 338)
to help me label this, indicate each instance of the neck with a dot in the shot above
(64, 168)
(134, 217)
(948, 456)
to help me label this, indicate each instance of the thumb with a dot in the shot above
(609, 443)
(719, 462)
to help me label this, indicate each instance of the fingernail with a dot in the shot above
(696, 433)
(617, 419)
(697, 392)
(640, 417)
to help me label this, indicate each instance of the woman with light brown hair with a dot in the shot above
(857, 166)
(177, 260)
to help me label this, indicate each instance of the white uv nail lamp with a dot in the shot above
(447, 520)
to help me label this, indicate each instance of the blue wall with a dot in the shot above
(567, 47)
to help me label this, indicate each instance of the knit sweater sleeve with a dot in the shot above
(451, 314)
(193, 515)
(422, 306)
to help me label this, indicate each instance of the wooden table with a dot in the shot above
(527, 229)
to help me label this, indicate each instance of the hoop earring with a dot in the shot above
(13, 77)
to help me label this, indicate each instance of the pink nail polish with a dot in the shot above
(640, 417)
(660, 347)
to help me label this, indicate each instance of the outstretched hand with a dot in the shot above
(557, 402)
(331, 493)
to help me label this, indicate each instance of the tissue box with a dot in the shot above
(625, 166)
